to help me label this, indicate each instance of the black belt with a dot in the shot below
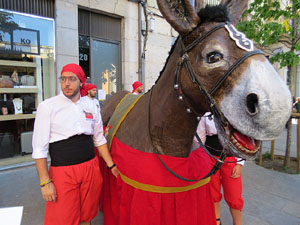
(74, 150)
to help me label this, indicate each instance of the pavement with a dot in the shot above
(271, 197)
(19, 187)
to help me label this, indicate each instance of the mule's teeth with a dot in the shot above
(233, 139)
(242, 148)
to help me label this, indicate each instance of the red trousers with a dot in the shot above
(78, 190)
(232, 187)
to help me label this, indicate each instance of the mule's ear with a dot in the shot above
(235, 8)
(180, 14)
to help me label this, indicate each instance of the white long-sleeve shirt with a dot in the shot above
(206, 127)
(95, 101)
(59, 118)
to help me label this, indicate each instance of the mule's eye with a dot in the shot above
(213, 57)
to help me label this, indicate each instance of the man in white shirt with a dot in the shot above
(91, 93)
(229, 175)
(69, 127)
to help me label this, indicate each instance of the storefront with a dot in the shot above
(27, 77)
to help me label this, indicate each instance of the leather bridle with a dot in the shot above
(214, 109)
(185, 60)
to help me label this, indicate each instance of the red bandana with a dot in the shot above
(135, 85)
(76, 69)
(90, 87)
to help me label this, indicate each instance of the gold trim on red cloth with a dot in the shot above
(159, 189)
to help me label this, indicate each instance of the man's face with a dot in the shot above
(92, 93)
(140, 89)
(70, 84)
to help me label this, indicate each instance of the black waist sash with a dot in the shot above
(74, 150)
(213, 145)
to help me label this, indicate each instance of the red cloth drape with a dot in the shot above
(124, 205)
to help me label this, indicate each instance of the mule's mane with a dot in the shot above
(217, 13)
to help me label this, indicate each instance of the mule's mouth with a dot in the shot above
(238, 144)
(243, 143)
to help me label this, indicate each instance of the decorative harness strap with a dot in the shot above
(241, 42)
(118, 116)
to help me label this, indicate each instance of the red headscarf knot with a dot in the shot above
(76, 69)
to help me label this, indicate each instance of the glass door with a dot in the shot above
(106, 66)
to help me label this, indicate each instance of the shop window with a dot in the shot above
(27, 76)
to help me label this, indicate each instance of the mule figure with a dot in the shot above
(211, 67)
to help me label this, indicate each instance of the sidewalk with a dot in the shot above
(271, 197)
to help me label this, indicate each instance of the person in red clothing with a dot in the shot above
(68, 127)
(137, 88)
(229, 176)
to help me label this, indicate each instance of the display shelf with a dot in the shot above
(18, 90)
(9, 66)
(17, 63)
(17, 117)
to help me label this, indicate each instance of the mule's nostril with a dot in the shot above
(252, 104)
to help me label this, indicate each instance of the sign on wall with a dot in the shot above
(17, 40)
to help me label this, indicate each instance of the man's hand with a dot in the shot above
(237, 171)
(49, 192)
(115, 171)
(105, 154)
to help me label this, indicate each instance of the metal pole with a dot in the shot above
(140, 40)
(260, 155)
(287, 158)
(298, 145)
(272, 149)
